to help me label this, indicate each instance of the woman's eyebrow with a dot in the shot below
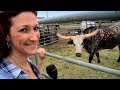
(29, 26)
(37, 25)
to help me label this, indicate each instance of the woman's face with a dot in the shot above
(24, 34)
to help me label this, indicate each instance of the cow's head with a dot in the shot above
(78, 41)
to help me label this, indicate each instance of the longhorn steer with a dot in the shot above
(106, 37)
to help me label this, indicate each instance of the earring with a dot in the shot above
(8, 44)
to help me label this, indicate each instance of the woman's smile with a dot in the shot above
(31, 45)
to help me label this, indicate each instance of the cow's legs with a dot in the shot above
(91, 57)
(98, 57)
(119, 54)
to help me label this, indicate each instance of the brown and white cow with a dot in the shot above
(94, 39)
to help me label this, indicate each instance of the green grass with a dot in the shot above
(71, 71)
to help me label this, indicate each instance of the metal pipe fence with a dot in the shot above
(85, 64)
(92, 16)
(84, 16)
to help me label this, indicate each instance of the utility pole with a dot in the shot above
(47, 13)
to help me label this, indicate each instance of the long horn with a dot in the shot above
(63, 37)
(91, 34)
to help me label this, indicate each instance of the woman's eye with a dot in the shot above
(24, 30)
(37, 28)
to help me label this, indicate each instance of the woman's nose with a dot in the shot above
(34, 36)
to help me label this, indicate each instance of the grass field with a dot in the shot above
(71, 71)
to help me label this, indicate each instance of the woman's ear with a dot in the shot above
(8, 38)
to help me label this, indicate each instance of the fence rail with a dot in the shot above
(87, 16)
(84, 16)
(85, 64)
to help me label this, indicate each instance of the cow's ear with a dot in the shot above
(70, 42)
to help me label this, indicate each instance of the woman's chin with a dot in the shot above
(32, 52)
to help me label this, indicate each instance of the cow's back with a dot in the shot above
(107, 38)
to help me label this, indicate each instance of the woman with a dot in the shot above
(19, 37)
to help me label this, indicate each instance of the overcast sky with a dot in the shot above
(55, 13)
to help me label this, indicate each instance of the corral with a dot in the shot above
(48, 34)
(70, 71)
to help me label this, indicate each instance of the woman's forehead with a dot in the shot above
(23, 20)
(24, 17)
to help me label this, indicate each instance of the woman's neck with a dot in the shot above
(22, 62)
(18, 58)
